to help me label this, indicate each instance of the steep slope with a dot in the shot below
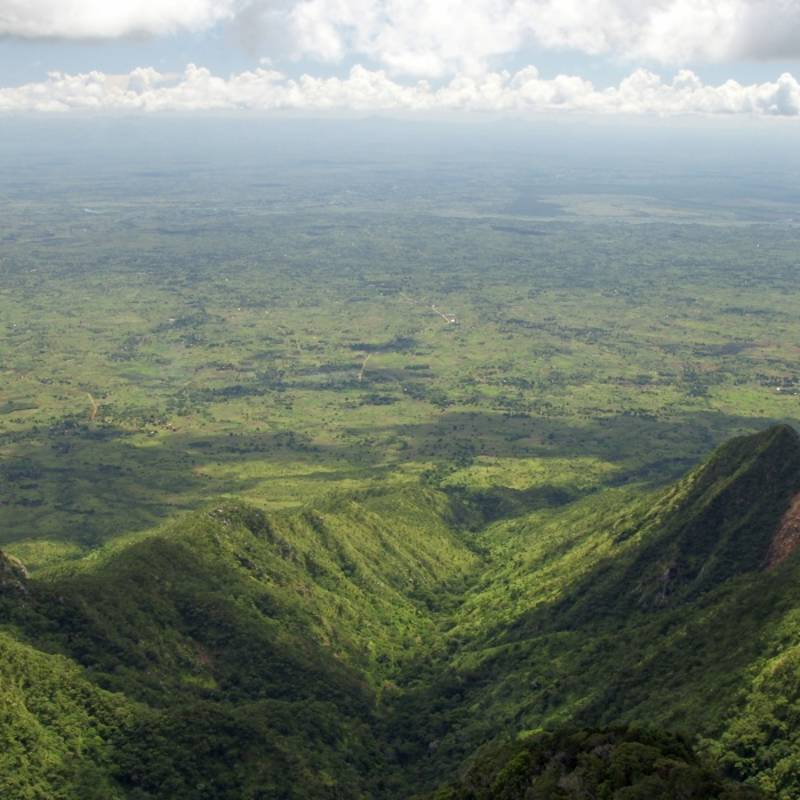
(362, 648)
(628, 606)
(55, 727)
(761, 737)
(356, 578)
(722, 520)
(255, 647)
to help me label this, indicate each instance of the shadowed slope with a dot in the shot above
(620, 763)
(623, 607)
(722, 520)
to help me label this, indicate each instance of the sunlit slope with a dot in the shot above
(356, 578)
(256, 647)
(55, 726)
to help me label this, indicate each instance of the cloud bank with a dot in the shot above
(445, 36)
(365, 90)
(441, 37)
(403, 44)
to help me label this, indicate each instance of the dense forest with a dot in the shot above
(389, 642)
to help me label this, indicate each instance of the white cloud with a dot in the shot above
(440, 37)
(365, 90)
(409, 37)
(108, 19)
(770, 29)
(444, 36)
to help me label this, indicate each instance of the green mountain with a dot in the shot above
(660, 608)
(372, 645)
(249, 653)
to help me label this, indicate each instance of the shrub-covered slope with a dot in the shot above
(56, 727)
(367, 647)
(615, 764)
(253, 650)
(664, 608)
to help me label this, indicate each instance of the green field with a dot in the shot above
(282, 331)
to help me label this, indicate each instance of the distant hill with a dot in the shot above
(368, 647)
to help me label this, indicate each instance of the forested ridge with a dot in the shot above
(401, 641)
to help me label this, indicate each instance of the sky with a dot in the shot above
(657, 58)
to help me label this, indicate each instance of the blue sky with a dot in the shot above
(618, 56)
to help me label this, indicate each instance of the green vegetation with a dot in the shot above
(274, 332)
(247, 654)
(603, 612)
(616, 764)
(368, 646)
(325, 481)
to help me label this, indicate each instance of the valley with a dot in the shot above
(395, 623)
(221, 323)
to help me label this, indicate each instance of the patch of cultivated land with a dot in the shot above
(261, 343)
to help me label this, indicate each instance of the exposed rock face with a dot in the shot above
(787, 537)
(13, 575)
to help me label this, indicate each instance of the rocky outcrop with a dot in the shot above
(13, 575)
(787, 537)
